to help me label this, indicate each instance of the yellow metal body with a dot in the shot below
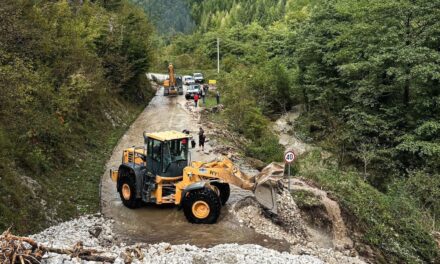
(172, 80)
(126, 192)
(201, 209)
(171, 83)
(133, 155)
(166, 135)
(223, 171)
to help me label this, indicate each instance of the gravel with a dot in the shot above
(249, 213)
(96, 232)
(289, 226)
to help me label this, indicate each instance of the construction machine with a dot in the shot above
(173, 85)
(161, 172)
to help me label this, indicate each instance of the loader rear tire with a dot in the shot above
(225, 191)
(128, 193)
(202, 206)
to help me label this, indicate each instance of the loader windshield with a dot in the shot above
(175, 151)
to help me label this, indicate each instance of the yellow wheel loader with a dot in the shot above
(161, 173)
(173, 85)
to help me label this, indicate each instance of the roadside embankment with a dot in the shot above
(333, 245)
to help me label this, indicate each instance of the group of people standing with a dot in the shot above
(203, 93)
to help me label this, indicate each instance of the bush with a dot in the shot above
(266, 148)
(245, 116)
(424, 190)
(391, 223)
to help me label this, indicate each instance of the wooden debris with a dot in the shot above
(24, 250)
(132, 253)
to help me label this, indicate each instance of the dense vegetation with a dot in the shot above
(169, 16)
(72, 77)
(367, 75)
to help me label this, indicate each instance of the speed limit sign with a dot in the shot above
(289, 157)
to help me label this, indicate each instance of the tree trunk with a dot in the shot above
(407, 86)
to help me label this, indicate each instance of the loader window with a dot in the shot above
(154, 149)
(174, 152)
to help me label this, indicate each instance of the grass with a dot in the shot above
(80, 191)
(68, 188)
(266, 149)
(305, 199)
(391, 224)
(210, 100)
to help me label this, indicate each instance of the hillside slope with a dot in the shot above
(366, 75)
(72, 78)
(169, 16)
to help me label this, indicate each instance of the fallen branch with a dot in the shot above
(24, 250)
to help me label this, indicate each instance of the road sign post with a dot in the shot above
(289, 157)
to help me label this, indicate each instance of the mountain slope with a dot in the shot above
(72, 77)
(169, 16)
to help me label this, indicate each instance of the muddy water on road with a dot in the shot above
(153, 223)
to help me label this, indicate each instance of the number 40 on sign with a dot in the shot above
(289, 157)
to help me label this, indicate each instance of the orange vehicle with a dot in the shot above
(173, 85)
(160, 172)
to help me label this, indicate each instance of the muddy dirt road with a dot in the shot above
(153, 224)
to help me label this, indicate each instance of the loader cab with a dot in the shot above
(167, 153)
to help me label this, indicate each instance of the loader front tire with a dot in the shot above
(202, 206)
(128, 193)
(225, 191)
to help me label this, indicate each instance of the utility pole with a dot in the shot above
(218, 55)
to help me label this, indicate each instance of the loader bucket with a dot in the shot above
(266, 182)
(266, 196)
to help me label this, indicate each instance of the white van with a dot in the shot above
(187, 80)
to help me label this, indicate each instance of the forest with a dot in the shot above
(367, 76)
(72, 78)
(168, 16)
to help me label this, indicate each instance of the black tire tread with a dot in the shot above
(208, 196)
(225, 191)
(133, 202)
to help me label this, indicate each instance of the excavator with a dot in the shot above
(161, 172)
(173, 85)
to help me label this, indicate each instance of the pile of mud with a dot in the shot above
(289, 226)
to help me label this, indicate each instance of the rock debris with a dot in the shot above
(96, 232)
